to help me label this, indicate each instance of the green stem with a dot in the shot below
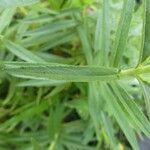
(135, 71)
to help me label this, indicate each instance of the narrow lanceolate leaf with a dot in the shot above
(5, 18)
(87, 49)
(132, 109)
(146, 49)
(14, 3)
(146, 93)
(143, 35)
(59, 39)
(22, 53)
(49, 40)
(102, 35)
(95, 102)
(51, 28)
(119, 116)
(122, 32)
(109, 130)
(59, 72)
(39, 83)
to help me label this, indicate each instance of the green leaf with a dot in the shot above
(109, 130)
(96, 105)
(84, 37)
(122, 33)
(39, 83)
(15, 3)
(52, 58)
(59, 72)
(133, 110)
(6, 18)
(58, 39)
(51, 28)
(22, 53)
(49, 40)
(54, 124)
(146, 49)
(146, 93)
(102, 35)
(29, 112)
(120, 116)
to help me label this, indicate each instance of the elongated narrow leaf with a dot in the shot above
(120, 116)
(51, 28)
(84, 37)
(143, 35)
(53, 16)
(146, 49)
(52, 58)
(146, 92)
(122, 32)
(102, 35)
(22, 53)
(5, 18)
(14, 3)
(49, 40)
(95, 102)
(109, 130)
(130, 106)
(59, 72)
(39, 83)
(58, 39)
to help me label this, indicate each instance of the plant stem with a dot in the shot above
(135, 71)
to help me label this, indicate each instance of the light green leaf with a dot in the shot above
(133, 110)
(59, 72)
(102, 35)
(39, 83)
(109, 130)
(5, 18)
(120, 116)
(86, 45)
(51, 28)
(96, 105)
(15, 3)
(49, 40)
(146, 93)
(58, 39)
(122, 32)
(146, 48)
(22, 53)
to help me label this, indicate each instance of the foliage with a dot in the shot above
(74, 75)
